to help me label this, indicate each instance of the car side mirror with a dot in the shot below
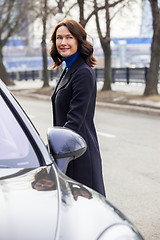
(65, 145)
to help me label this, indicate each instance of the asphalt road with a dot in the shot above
(129, 144)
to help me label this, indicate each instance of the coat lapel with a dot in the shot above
(65, 77)
(63, 80)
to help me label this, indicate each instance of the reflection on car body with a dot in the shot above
(44, 181)
(38, 201)
(80, 191)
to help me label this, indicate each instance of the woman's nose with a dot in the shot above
(63, 41)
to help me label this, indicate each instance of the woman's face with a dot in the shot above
(44, 184)
(66, 43)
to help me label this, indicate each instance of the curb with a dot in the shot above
(36, 96)
(120, 107)
(132, 108)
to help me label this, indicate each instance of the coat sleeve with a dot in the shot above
(83, 88)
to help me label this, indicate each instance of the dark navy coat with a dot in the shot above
(73, 103)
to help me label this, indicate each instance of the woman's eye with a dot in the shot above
(59, 37)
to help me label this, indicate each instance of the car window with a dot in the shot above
(15, 148)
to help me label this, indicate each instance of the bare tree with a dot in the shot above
(43, 45)
(17, 15)
(41, 11)
(103, 8)
(152, 76)
(105, 35)
(82, 4)
(45, 10)
(105, 43)
(13, 18)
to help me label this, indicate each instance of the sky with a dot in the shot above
(127, 23)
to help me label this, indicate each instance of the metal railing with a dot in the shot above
(127, 75)
(30, 75)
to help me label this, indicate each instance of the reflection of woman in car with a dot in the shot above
(74, 98)
(80, 191)
(44, 181)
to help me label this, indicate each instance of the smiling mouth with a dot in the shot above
(64, 49)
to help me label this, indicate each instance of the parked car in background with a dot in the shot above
(37, 200)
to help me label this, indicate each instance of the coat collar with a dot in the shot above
(76, 64)
(65, 77)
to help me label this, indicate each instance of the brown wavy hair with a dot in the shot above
(85, 48)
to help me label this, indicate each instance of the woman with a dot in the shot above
(74, 98)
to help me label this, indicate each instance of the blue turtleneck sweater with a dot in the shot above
(69, 60)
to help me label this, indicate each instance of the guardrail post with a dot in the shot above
(145, 74)
(33, 75)
(113, 75)
(12, 76)
(127, 75)
(25, 76)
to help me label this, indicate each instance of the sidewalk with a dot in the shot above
(123, 96)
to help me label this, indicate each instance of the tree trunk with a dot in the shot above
(152, 75)
(107, 67)
(105, 43)
(45, 65)
(153, 71)
(81, 13)
(3, 73)
(44, 48)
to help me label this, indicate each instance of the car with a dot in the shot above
(38, 201)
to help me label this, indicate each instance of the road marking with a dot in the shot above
(106, 135)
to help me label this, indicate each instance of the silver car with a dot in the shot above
(37, 200)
